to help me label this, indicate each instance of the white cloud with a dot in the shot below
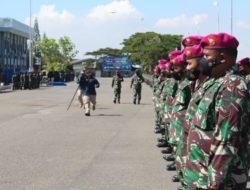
(182, 21)
(116, 10)
(84, 32)
(48, 15)
(48, 12)
(50, 19)
(243, 25)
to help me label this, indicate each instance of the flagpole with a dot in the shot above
(30, 39)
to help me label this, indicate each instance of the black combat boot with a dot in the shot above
(175, 178)
(171, 167)
(168, 150)
(162, 144)
(169, 157)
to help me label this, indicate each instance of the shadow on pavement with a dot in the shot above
(100, 115)
(102, 108)
(5, 91)
(136, 104)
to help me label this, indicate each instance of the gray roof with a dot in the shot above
(77, 61)
(14, 26)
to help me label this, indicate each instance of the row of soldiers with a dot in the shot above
(23, 81)
(202, 104)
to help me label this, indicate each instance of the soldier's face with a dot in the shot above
(241, 68)
(210, 54)
(177, 69)
(244, 69)
(192, 64)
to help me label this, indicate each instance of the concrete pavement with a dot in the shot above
(43, 146)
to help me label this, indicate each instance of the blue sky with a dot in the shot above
(94, 24)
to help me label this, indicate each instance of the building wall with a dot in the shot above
(13, 49)
(13, 54)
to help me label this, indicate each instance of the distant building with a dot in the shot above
(110, 64)
(77, 64)
(13, 48)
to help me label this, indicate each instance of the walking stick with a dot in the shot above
(72, 98)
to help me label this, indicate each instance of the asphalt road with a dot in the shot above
(45, 147)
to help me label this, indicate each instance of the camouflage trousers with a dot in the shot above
(181, 156)
(157, 108)
(117, 94)
(137, 94)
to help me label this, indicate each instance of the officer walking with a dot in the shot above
(136, 83)
(116, 84)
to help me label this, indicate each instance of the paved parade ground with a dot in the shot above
(45, 147)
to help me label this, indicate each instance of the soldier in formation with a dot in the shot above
(23, 81)
(205, 122)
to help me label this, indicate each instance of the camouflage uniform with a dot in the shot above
(116, 84)
(191, 110)
(157, 89)
(136, 83)
(155, 84)
(180, 104)
(14, 81)
(161, 101)
(217, 155)
(168, 94)
(177, 117)
(247, 78)
(26, 81)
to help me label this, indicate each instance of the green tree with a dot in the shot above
(50, 51)
(56, 55)
(147, 48)
(68, 52)
(52, 67)
(67, 49)
(95, 62)
(105, 51)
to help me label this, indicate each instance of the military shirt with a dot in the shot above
(155, 84)
(248, 82)
(168, 96)
(192, 106)
(217, 138)
(180, 104)
(137, 81)
(116, 82)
